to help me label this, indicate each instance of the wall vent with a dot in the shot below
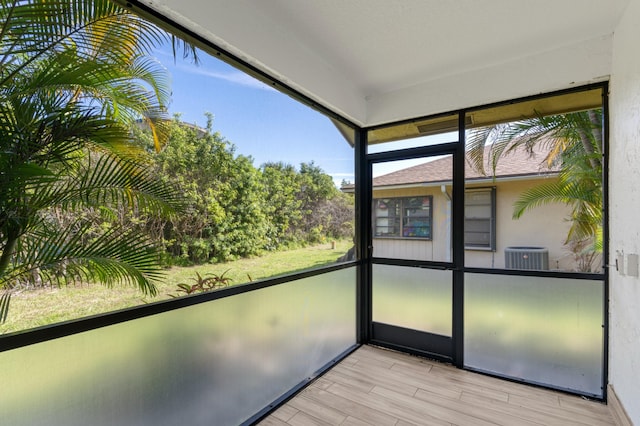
(535, 258)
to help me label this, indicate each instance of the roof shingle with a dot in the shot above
(517, 163)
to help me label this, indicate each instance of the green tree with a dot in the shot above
(282, 185)
(226, 215)
(315, 187)
(73, 76)
(235, 209)
(574, 145)
(326, 211)
(248, 224)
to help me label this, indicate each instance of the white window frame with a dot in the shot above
(472, 223)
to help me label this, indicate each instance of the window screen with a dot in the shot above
(480, 219)
(403, 217)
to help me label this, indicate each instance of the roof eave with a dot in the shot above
(488, 180)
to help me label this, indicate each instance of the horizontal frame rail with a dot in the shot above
(54, 331)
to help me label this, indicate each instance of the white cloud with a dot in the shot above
(232, 76)
(235, 77)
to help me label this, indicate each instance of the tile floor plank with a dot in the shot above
(353, 409)
(304, 419)
(389, 406)
(352, 421)
(553, 412)
(273, 421)
(411, 369)
(518, 415)
(378, 387)
(361, 383)
(322, 383)
(318, 410)
(378, 377)
(285, 412)
(449, 411)
(594, 409)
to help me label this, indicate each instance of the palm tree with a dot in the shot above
(73, 76)
(573, 142)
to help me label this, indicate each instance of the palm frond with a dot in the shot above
(59, 256)
(74, 75)
(100, 180)
(124, 93)
(39, 28)
(572, 143)
(598, 242)
(586, 214)
(5, 300)
(110, 180)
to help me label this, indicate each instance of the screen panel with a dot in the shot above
(413, 298)
(218, 362)
(412, 209)
(547, 331)
(543, 157)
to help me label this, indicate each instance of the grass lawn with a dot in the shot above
(36, 308)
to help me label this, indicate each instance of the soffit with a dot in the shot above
(389, 45)
(513, 111)
(346, 53)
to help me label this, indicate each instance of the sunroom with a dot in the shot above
(401, 82)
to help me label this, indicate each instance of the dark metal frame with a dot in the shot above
(364, 248)
(444, 348)
(50, 332)
(604, 276)
(415, 342)
(458, 266)
(363, 237)
(605, 236)
(458, 244)
(54, 331)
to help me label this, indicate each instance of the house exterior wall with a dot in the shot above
(545, 226)
(416, 249)
(624, 304)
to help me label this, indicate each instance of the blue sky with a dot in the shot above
(259, 121)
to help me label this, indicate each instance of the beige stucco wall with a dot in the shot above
(624, 284)
(545, 226)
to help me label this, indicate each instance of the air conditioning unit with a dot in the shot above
(536, 258)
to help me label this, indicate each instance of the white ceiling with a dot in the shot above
(374, 61)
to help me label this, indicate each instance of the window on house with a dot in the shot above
(403, 217)
(480, 219)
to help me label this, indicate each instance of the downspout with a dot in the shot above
(443, 188)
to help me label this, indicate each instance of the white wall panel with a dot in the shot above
(624, 329)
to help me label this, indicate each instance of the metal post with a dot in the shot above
(363, 237)
(458, 245)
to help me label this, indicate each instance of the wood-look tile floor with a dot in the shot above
(379, 387)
